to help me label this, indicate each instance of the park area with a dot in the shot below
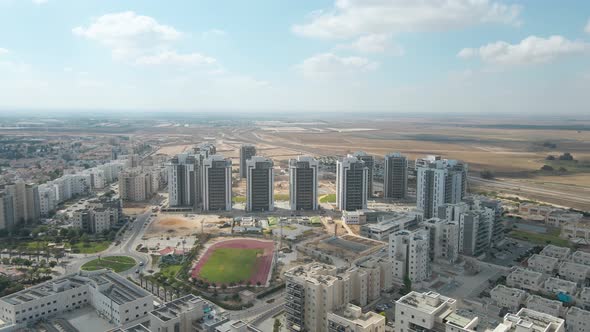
(115, 263)
(236, 261)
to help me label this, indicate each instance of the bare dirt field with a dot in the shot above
(174, 149)
(181, 225)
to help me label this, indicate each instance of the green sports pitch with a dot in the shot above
(227, 265)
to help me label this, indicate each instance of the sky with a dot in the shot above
(444, 56)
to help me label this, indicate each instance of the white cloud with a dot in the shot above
(128, 34)
(530, 50)
(3, 51)
(587, 28)
(374, 43)
(39, 2)
(352, 18)
(173, 58)
(330, 65)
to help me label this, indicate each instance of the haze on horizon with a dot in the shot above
(445, 56)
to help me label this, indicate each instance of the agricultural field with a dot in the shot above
(115, 263)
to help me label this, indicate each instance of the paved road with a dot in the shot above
(126, 248)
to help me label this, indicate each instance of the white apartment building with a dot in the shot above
(575, 272)
(112, 296)
(445, 239)
(561, 253)
(543, 264)
(382, 229)
(554, 286)
(527, 320)
(352, 319)
(581, 257)
(47, 199)
(577, 232)
(526, 279)
(541, 304)
(352, 181)
(507, 297)
(135, 185)
(430, 312)
(313, 291)
(178, 315)
(583, 298)
(409, 252)
(577, 320)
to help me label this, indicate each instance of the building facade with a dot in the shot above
(217, 181)
(303, 183)
(395, 176)
(352, 178)
(260, 184)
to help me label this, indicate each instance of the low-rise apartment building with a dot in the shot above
(352, 319)
(575, 272)
(583, 298)
(541, 304)
(525, 279)
(554, 286)
(180, 315)
(430, 312)
(555, 251)
(527, 320)
(508, 297)
(382, 229)
(581, 257)
(543, 264)
(577, 320)
(577, 232)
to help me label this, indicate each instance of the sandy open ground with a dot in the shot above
(178, 225)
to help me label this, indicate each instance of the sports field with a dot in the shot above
(227, 265)
(236, 261)
(116, 263)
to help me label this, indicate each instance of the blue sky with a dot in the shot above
(476, 56)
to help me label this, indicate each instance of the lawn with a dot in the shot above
(315, 220)
(227, 265)
(541, 238)
(238, 199)
(329, 198)
(281, 197)
(170, 271)
(273, 221)
(116, 263)
(90, 247)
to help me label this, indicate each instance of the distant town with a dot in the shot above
(288, 225)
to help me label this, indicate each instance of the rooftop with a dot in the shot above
(428, 302)
(508, 291)
(530, 320)
(316, 273)
(354, 315)
(555, 251)
(175, 308)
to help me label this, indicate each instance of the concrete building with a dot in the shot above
(577, 320)
(526, 279)
(527, 320)
(6, 211)
(236, 326)
(553, 286)
(135, 185)
(453, 211)
(179, 315)
(260, 184)
(247, 151)
(352, 319)
(303, 183)
(217, 184)
(439, 181)
(543, 264)
(183, 180)
(352, 178)
(541, 304)
(113, 297)
(583, 298)
(430, 312)
(577, 273)
(25, 202)
(561, 253)
(395, 176)
(95, 220)
(409, 253)
(445, 239)
(482, 202)
(477, 231)
(47, 199)
(581, 257)
(507, 297)
(378, 268)
(312, 291)
(393, 223)
(370, 164)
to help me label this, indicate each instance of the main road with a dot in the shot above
(125, 248)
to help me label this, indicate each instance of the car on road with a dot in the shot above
(137, 271)
(140, 263)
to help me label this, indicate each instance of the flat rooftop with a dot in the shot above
(426, 302)
(176, 307)
(316, 273)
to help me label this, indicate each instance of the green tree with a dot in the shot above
(277, 325)
(407, 285)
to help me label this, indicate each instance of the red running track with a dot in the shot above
(263, 263)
